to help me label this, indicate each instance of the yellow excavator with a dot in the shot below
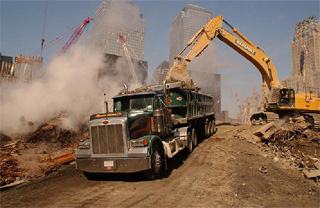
(280, 102)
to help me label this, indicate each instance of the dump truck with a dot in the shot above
(147, 126)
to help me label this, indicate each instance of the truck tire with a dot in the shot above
(206, 125)
(189, 142)
(213, 127)
(194, 138)
(157, 162)
(209, 129)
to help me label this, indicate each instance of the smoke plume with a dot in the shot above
(70, 85)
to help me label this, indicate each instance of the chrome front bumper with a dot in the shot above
(120, 165)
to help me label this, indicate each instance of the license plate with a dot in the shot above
(108, 163)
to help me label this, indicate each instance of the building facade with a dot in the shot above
(119, 17)
(305, 52)
(161, 71)
(251, 105)
(117, 68)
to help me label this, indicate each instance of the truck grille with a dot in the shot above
(107, 139)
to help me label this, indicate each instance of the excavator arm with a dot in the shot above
(213, 29)
(281, 101)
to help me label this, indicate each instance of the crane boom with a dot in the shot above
(126, 52)
(76, 34)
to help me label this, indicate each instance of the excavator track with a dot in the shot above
(271, 116)
(316, 120)
(264, 117)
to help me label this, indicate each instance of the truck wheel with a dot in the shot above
(156, 164)
(209, 129)
(206, 129)
(194, 138)
(189, 142)
(213, 127)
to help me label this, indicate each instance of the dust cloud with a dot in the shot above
(70, 86)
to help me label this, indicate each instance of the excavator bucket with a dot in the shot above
(179, 72)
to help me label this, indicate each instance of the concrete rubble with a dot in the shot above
(295, 143)
(38, 153)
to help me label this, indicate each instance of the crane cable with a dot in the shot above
(45, 14)
(56, 40)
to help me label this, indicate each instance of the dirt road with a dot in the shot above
(225, 170)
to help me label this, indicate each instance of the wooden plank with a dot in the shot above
(64, 159)
(10, 185)
(311, 173)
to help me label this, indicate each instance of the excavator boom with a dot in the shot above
(213, 29)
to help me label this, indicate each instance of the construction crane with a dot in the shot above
(77, 31)
(76, 35)
(126, 52)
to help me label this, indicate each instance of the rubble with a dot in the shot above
(38, 153)
(294, 143)
(4, 139)
(267, 130)
(263, 169)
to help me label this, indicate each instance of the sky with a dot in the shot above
(268, 24)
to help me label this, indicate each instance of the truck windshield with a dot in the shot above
(141, 104)
(133, 104)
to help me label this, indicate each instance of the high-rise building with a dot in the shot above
(305, 52)
(119, 17)
(202, 69)
(112, 19)
(160, 73)
(184, 27)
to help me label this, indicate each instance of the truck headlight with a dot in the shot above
(139, 142)
(85, 144)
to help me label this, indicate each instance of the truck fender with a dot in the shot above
(156, 139)
(152, 140)
(182, 133)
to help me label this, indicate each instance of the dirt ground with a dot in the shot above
(224, 170)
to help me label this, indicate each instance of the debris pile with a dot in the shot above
(38, 153)
(294, 143)
(9, 167)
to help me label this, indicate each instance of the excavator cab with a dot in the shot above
(286, 97)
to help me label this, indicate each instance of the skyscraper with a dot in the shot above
(202, 69)
(305, 54)
(114, 17)
(184, 27)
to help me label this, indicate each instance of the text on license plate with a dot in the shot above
(108, 163)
